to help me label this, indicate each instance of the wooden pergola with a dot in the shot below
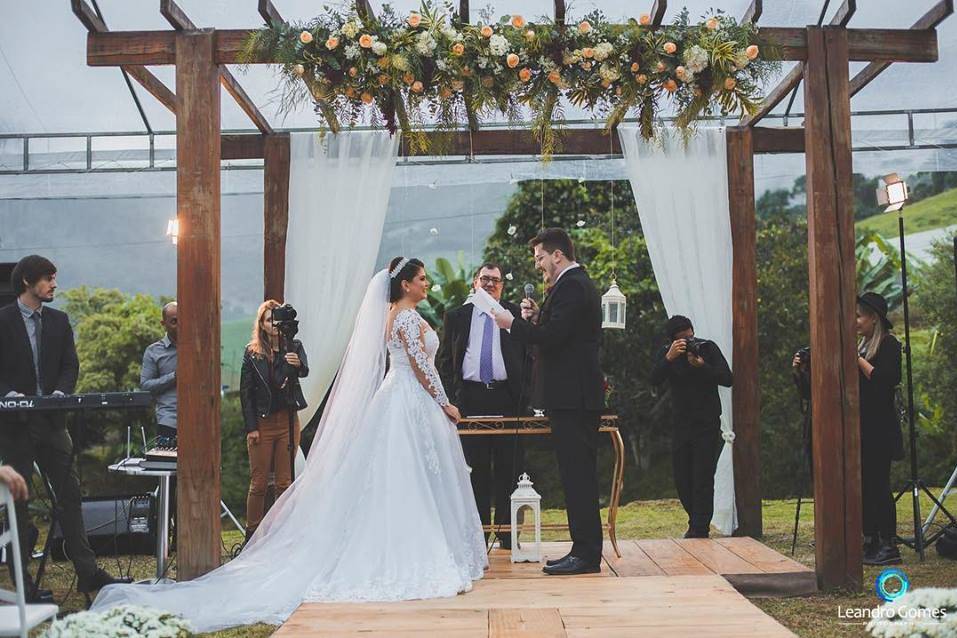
(823, 54)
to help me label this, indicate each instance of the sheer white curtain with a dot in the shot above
(681, 191)
(338, 195)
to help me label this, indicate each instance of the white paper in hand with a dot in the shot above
(485, 302)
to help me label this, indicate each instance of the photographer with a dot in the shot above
(879, 367)
(267, 379)
(693, 369)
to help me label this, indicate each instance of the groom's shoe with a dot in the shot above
(572, 566)
(555, 561)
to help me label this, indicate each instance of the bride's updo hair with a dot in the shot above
(408, 273)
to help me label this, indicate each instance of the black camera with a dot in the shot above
(694, 345)
(284, 318)
(804, 355)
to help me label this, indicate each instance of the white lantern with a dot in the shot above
(526, 496)
(613, 308)
(172, 230)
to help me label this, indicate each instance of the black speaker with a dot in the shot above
(121, 525)
(6, 290)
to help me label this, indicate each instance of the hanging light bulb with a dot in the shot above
(614, 307)
(172, 230)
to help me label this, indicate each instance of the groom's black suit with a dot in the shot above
(568, 370)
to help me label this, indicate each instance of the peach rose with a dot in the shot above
(417, 87)
(353, 71)
(588, 52)
(642, 79)
(458, 85)
(645, 19)
(298, 69)
(554, 77)
(445, 93)
(305, 37)
(712, 23)
(660, 67)
(408, 78)
(730, 83)
(586, 66)
(365, 41)
(488, 81)
(670, 47)
(383, 79)
(752, 51)
(467, 71)
(332, 42)
(384, 62)
(584, 26)
(670, 85)
(366, 97)
(680, 71)
(458, 49)
(634, 67)
(350, 92)
(525, 74)
(518, 21)
(605, 84)
(414, 20)
(512, 60)
(486, 31)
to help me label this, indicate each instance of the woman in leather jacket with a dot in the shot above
(266, 381)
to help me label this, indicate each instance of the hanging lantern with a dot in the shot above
(613, 308)
(526, 496)
(172, 230)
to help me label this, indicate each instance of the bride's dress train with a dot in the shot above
(384, 510)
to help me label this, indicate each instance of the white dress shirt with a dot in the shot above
(574, 264)
(473, 353)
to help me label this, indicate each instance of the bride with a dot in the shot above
(384, 509)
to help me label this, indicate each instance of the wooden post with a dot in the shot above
(831, 264)
(746, 395)
(275, 214)
(198, 294)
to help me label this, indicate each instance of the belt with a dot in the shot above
(494, 385)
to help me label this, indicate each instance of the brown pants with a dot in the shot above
(269, 454)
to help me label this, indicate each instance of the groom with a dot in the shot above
(567, 331)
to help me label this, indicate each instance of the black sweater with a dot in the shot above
(879, 418)
(694, 391)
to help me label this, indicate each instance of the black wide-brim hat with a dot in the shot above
(878, 304)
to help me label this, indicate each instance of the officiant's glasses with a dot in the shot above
(485, 279)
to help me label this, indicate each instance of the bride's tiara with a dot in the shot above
(398, 267)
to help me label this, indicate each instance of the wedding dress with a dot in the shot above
(384, 510)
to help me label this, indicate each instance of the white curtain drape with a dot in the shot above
(681, 191)
(338, 195)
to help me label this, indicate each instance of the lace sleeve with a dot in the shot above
(408, 325)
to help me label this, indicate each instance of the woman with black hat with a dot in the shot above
(879, 365)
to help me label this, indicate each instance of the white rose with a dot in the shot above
(498, 45)
(349, 29)
(425, 43)
(379, 48)
(352, 51)
(696, 59)
(602, 51)
(608, 73)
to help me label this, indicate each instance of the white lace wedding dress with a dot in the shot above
(384, 510)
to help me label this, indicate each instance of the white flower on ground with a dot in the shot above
(696, 59)
(379, 48)
(498, 45)
(352, 51)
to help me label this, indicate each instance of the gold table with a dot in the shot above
(498, 426)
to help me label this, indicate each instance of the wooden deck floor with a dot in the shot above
(665, 587)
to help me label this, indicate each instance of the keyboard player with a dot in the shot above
(38, 357)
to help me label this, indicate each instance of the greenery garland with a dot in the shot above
(430, 68)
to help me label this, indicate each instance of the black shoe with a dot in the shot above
(555, 561)
(887, 554)
(41, 596)
(572, 566)
(871, 545)
(97, 580)
(698, 532)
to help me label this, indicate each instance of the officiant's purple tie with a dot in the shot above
(485, 360)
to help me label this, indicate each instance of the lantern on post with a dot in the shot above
(526, 496)
(613, 308)
(172, 230)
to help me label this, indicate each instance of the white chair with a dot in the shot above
(17, 618)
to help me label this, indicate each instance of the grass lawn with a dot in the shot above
(814, 616)
(938, 211)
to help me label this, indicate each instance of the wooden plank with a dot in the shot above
(275, 215)
(364, 10)
(844, 13)
(87, 16)
(937, 14)
(633, 562)
(716, 556)
(540, 623)
(776, 95)
(746, 397)
(753, 14)
(198, 295)
(242, 146)
(119, 48)
(763, 558)
(341, 619)
(671, 558)
(153, 85)
(831, 263)
(269, 13)
(560, 12)
(658, 12)
(770, 139)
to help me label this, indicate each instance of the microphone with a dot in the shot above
(529, 291)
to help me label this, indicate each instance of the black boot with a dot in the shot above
(99, 579)
(871, 545)
(886, 553)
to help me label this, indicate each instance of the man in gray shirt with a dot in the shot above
(158, 374)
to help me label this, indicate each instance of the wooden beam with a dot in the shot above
(88, 16)
(269, 13)
(364, 9)
(560, 12)
(753, 14)
(746, 396)
(777, 94)
(464, 11)
(844, 13)
(198, 293)
(832, 291)
(937, 14)
(276, 217)
(658, 12)
(243, 146)
(181, 22)
(769, 139)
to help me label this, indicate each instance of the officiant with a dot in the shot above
(482, 370)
